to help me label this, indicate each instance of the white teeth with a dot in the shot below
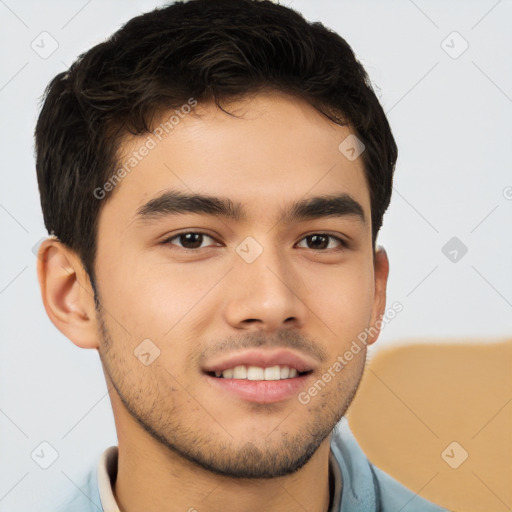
(255, 373)
(272, 373)
(258, 373)
(227, 374)
(239, 372)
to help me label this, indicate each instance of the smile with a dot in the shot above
(243, 372)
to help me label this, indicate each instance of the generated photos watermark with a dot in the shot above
(343, 359)
(145, 148)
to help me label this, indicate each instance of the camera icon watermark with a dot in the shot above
(35, 247)
(454, 45)
(351, 147)
(454, 455)
(146, 352)
(44, 455)
(454, 249)
(249, 249)
(507, 193)
(45, 45)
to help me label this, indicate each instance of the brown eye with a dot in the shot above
(320, 241)
(190, 240)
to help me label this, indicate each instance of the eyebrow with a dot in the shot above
(174, 202)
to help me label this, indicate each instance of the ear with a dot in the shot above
(381, 272)
(67, 293)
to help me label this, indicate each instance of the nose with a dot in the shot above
(266, 294)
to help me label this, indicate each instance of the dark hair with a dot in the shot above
(202, 49)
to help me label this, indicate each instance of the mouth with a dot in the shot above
(260, 376)
(259, 373)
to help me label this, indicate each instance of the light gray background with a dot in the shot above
(452, 119)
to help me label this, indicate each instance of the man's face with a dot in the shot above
(258, 290)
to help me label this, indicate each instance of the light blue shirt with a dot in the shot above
(359, 486)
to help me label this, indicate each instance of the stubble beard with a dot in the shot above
(261, 458)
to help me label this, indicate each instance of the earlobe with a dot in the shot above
(67, 293)
(381, 272)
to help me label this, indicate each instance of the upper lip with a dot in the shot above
(263, 359)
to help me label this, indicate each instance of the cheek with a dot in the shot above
(173, 296)
(148, 299)
(344, 300)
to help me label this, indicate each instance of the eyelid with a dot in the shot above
(344, 244)
(168, 239)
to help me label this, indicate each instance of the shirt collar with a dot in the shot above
(107, 474)
(334, 470)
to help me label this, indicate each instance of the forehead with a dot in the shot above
(269, 150)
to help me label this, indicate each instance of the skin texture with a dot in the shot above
(182, 442)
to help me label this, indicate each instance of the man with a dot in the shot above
(214, 177)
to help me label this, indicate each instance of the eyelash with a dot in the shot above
(167, 241)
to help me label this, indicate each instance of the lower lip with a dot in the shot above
(261, 391)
